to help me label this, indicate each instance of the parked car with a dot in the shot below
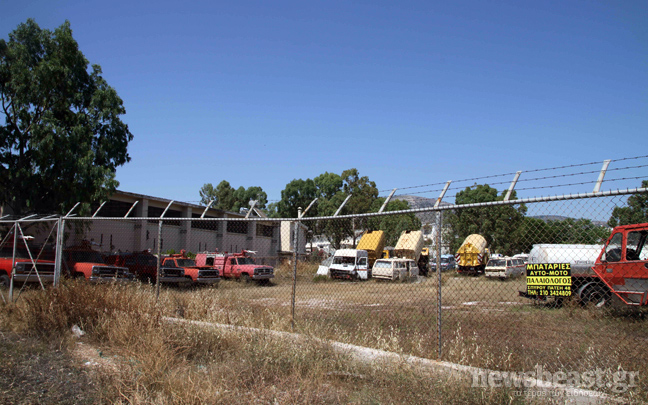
(144, 266)
(239, 266)
(193, 272)
(25, 270)
(504, 267)
(395, 269)
(82, 261)
(448, 262)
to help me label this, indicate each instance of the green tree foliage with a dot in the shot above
(498, 224)
(567, 231)
(635, 213)
(393, 225)
(331, 190)
(298, 193)
(62, 138)
(244, 195)
(575, 231)
(226, 198)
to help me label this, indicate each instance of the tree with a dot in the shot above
(635, 213)
(62, 137)
(575, 231)
(222, 196)
(242, 197)
(497, 224)
(298, 193)
(331, 190)
(363, 192)
(393, 225)
(226, 198)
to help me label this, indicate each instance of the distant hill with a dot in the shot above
(562, 218)
(416, 202)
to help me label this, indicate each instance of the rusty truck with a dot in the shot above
(240, 266)
(81, 261)
(193, 272)
(619, 270)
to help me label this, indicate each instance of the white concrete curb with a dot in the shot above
(571, 395)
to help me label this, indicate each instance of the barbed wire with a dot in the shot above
(532, 188)
(525, 171)
(540, 178)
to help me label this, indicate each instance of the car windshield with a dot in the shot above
(496, 263)
(344, 260)
(382, 265)
(185, 262)
(445, 260)
(245, 260)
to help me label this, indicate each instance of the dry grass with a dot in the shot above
(155, 362)
(484, 324)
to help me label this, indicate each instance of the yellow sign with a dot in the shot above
(549, 279)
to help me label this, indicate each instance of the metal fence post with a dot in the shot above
(159, 260)
(13, 262)
(294, 286)
(58, 252)
(438, 267)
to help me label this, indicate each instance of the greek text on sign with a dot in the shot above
(549, 279)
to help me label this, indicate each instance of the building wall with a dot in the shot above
(134, 235)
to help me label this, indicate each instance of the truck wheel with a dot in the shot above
(4, 281)
(245, 278)
(597, 295)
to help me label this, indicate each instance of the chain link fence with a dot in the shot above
(449, 283)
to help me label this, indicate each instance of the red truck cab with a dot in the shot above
(41, 269)
(197, 274)
(622, 266)
(621, 269)
(144, 265)
(240, 266)
(82, 261)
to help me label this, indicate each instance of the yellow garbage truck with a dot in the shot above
(409, 245)
(373, 242)
(472, 255)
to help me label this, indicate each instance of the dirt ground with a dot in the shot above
(33, 372)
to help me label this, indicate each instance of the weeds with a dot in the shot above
(157, 362)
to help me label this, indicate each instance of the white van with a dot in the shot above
(349, 263)
(504, 267)
(395, 269)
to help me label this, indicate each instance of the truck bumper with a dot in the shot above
(100, 280)
(390, 277)
(208, 280)
(342, 274)
(262, 276)
(33, 278)
(350, 275)
(174, 280)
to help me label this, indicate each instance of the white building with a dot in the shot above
(214, 232)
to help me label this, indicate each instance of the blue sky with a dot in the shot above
(409, 93)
